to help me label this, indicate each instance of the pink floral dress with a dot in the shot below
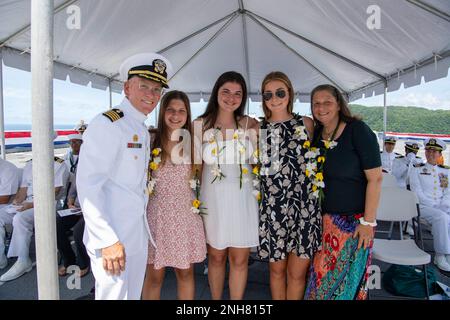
(178, 232)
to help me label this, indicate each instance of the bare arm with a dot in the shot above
(71, 203)
(21, 195)
(197, 127)
(57, 189)
(373, 190)
(253, 133)
(309, 124)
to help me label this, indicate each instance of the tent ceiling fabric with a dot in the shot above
(313, 42)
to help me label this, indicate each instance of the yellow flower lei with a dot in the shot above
(196, 203)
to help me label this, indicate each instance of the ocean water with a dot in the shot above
(25, 127)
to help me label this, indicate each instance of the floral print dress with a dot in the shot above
(290, 215)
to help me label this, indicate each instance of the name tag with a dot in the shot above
(426, 174)
(134, 145)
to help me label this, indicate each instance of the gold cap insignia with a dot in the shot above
(159, 66)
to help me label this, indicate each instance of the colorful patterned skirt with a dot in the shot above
(339, 270)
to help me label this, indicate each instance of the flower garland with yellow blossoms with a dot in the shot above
(216, 151)
(314, 166)
(153, 165)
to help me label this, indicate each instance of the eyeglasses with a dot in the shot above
(156, 91)
(269, 95)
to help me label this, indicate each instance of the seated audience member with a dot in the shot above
(401, 165)
(388, 155)
(22, 218)
(9, 183)
(430, 182)
(71, 158)
(76, 223)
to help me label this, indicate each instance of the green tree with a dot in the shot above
(405, 119)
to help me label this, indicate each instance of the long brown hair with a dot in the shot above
(212, 109)
(278, 76)
(161, 137)
(344, 111)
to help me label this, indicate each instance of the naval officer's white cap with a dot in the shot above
(413, 145)
(390, 139)
(147, 65)
(75, 136)
(435, 144)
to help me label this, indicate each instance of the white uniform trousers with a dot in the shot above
(5, 219)
(440, 227)
(126, 286)
(23, 226)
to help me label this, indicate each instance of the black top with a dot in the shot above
(345, 182)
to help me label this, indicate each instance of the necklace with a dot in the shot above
(327, 135)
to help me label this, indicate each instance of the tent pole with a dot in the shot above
(384, 111)
(42, 146)
(110, 93)
(2, 111)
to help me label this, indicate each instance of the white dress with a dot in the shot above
(232, 213)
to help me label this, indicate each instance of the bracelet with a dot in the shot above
(365, 223)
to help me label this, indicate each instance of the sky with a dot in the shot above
(73, 102)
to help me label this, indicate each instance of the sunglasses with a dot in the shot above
(269, 95)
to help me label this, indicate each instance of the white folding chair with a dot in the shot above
(401, 205)
(389, 181)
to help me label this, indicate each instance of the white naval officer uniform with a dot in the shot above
(430, 183)
(111, 184)
(9, 178)
(387, 160)
(9, 183)
(401, 166)
(23, 222)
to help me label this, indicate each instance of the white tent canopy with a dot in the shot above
(314, 42)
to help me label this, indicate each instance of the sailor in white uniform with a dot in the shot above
(71, 157)
(430, 182)
(112, 181)
(22, 217)
(9, 183)
(388, 155)
(402, 164)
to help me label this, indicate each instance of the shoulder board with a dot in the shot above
(29, 160)
(113, 114)
(418, 165)
(398, 154)
(399, 157)
(443, 167)
(57, 159)
(418, 157)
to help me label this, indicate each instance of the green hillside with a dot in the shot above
(405, 119)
